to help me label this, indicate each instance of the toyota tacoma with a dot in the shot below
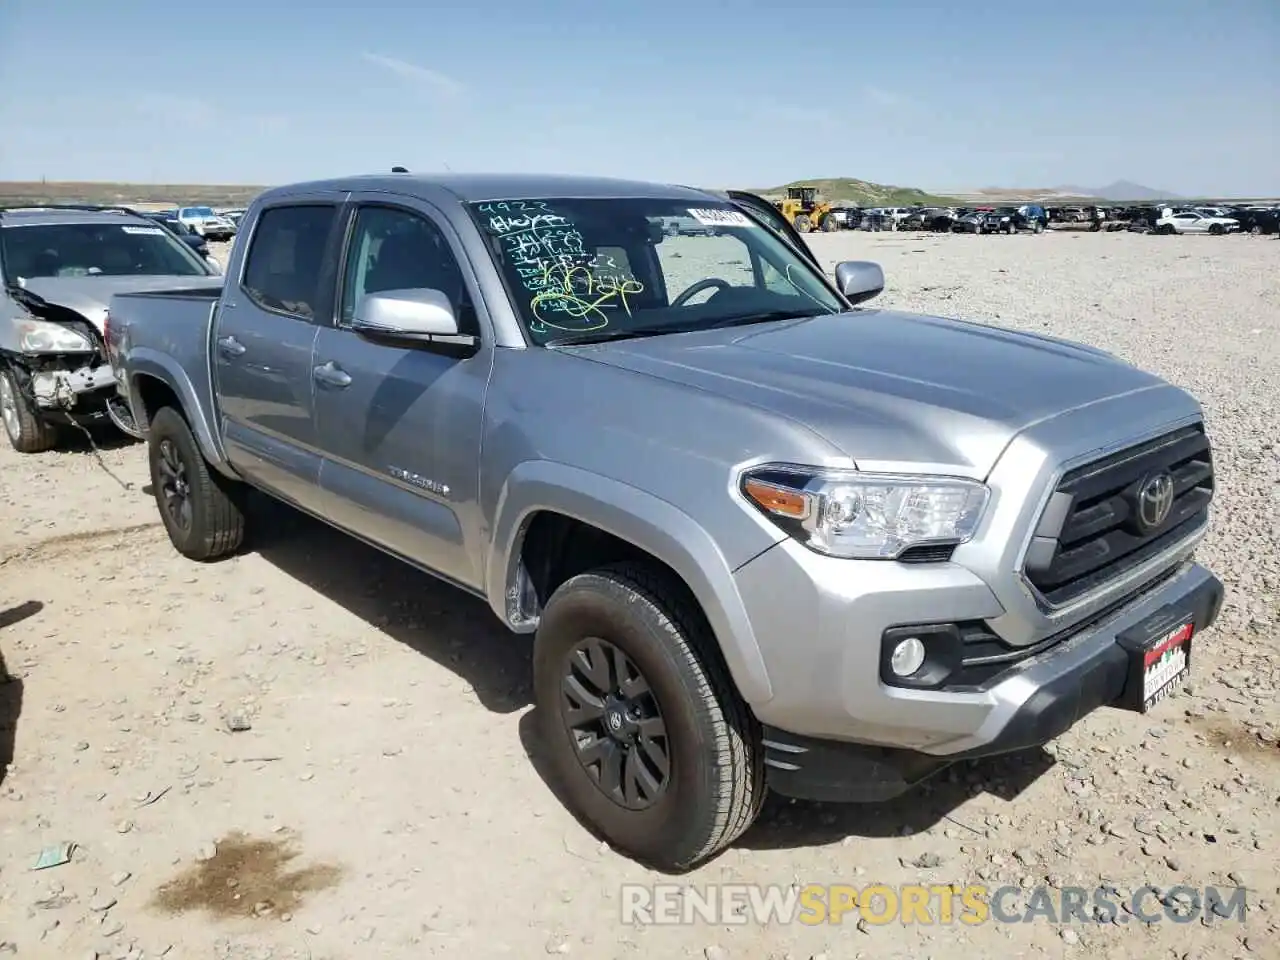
(764, 536)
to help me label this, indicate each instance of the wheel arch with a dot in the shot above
(156, 380)
(544, 498)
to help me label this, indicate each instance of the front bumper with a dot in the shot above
(68, 390)
(1029, 704)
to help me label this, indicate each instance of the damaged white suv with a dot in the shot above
(59, 266)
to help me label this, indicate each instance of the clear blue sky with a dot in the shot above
(1182, 95)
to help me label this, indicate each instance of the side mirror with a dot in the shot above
(410, 317)
(859, 280)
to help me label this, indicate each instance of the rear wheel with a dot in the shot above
(830, 224)
(646, 735)
(26, 427)
(1037, 227)
(202, 511)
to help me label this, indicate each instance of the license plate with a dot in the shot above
(1159, 651)
(1166, 665)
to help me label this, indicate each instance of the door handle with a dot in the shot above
(331, 375)
(231, 347)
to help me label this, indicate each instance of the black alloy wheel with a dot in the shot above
(174, 488)
(615, 724)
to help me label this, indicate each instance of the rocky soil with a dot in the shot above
(310, 751)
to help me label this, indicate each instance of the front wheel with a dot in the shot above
(647, 737)
(202, 511)
(28, 430)
(802, 223)
(1037, 227)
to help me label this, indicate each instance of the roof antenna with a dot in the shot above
(399, 169)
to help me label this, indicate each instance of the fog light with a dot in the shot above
(907, 657)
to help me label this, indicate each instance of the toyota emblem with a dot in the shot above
(1155, 501)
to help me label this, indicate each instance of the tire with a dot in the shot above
(1037, 227)
(1215, 229)
(202, 511)
(802, 223)
(829, 224)
(715, 784)
(1256, 230)
(1011, 229)
(27, 429)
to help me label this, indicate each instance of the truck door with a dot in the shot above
(266, 327)
(765, 211)
(400, 427)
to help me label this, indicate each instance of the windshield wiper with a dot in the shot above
(768, 316)
(600, 336)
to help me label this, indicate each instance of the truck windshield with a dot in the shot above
(95, 249)
(595, 269)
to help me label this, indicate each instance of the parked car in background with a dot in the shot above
(1192, 221)
(1258, 220)
(972, 221)
(184, 233)
(60, 266)
(235, 215)
(788, 544)
(847, 218)
(206, 223)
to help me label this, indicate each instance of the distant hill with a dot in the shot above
(862, 193)
(1121, 190)
(231, 195)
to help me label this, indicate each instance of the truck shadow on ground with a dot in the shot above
(786, 824)
(453, 628)
(11, 686)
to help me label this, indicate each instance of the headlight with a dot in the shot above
(42, 336)
(845, 513)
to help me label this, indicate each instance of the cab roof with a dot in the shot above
(478, 187)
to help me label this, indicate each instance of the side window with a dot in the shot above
(286, 258)
(394, 249)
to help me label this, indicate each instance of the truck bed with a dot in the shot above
(165, 333)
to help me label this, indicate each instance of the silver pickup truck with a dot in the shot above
(763, 537)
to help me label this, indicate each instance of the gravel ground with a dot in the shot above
(386, 801)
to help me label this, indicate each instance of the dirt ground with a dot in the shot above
(311, 751)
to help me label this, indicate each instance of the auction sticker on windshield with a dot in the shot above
(147, 231)
(722, 218)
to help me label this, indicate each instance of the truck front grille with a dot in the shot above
(1098, 524)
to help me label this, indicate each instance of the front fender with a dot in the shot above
(145, 362)
(640, 518)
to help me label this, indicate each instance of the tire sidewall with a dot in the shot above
(594, 605)
(12, 381)
(169, 425)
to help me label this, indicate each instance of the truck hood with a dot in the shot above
(89, 296)
(889, 388)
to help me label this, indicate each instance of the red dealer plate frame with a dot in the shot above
(1159, 660)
